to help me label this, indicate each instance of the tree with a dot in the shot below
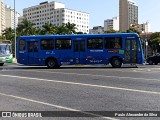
(154, 41)
(8, 33)
(49, 28)
(61, 29)
(26, 28)
(110, 31)
(70, 28)
(2, 37)
(131, 30)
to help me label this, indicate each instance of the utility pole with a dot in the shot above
(15, 28)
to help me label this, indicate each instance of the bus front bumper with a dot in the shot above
(5, 60)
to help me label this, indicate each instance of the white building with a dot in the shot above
(57, 14)
(97, 30)
(111, 24)
(2, 16)
(145, 27)
(20, 19)
(9, 17)
(128, 14)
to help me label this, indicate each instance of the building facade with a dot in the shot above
(2, 16)
(97, 30)
(10, 19)
(128, 14)
(56, 14)
(145, 27)
(111, 24)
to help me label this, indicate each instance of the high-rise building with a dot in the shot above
(111, 24)
(10, 19)
(128, 14)
(2, 16)
(56, 14)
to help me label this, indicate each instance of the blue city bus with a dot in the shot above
(56, 50)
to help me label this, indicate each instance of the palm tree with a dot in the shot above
(71, 28)
(61, 29)
(49, 28)
(8, 33)
(26, 28)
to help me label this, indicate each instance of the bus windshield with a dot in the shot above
(5, 49)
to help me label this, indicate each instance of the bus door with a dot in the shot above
(33, 56)
(79, 51)
(21, 52)
(131, 51)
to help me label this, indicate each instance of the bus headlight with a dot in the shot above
(2, 59)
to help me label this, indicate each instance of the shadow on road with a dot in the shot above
(7, 67)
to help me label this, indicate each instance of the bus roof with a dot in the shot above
(5, 41)
(84, 35)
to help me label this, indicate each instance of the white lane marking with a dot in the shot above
(104, 76)
(83, 84)
(57, 106)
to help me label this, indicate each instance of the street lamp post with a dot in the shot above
(15, 28)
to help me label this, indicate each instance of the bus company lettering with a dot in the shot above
(112, 51)
(50, 52)
(96, 50)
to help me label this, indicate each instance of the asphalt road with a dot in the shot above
(80, 88)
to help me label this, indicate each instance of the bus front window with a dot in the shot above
(5, 49)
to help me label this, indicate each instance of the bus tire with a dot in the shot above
(1, 64)
(51, 63)
(116, 63)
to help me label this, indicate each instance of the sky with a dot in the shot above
(101, 10)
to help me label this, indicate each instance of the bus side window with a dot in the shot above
(95, 43)
(36, 46)
(30, 47)
(47, 44)
(113, 42)
(63, 44)
(22, 45)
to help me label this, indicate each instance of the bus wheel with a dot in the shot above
(51, 63)
(1, 64)
(116, 63)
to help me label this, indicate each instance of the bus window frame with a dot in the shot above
(113, 41)
(47, 47)
(60, 47)
(24, 45)
(95, 38)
